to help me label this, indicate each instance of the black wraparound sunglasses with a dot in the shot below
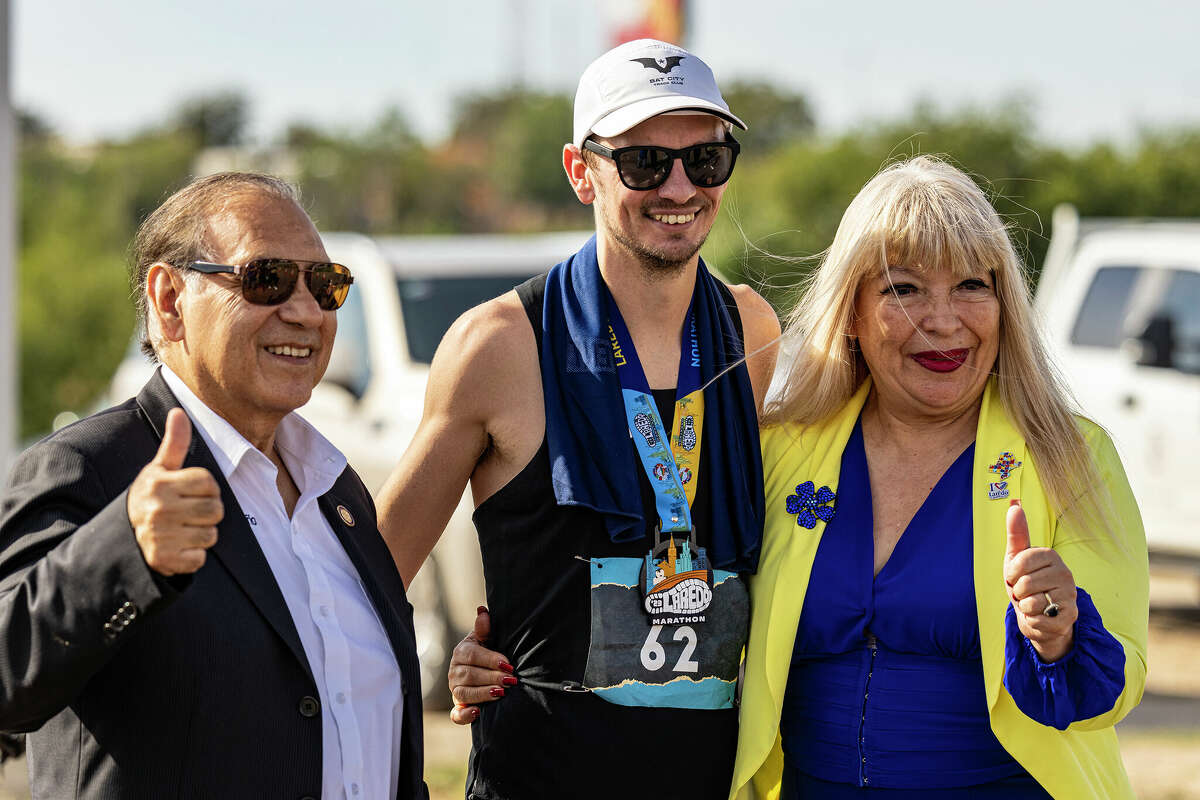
(271, 281)
(644, 167)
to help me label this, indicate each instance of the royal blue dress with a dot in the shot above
(885, 696)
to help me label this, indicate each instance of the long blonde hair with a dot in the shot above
(924, 211)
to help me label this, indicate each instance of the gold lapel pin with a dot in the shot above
(346, 516)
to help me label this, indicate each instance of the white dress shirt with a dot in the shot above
(351, 658)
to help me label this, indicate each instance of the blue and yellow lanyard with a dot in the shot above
(672, 463)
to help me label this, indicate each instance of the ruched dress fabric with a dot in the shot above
(885, 694)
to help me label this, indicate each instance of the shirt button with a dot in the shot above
(341, 697)
(309, 706)
(354, 788)
(324, 611)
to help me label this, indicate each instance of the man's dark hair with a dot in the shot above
(176, 233)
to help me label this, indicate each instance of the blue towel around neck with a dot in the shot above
(586, 430)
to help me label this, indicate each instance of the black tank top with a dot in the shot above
(547, 737)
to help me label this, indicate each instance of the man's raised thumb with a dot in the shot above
(177, 435)
(1018, 529)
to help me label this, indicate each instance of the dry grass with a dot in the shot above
(1162, 765)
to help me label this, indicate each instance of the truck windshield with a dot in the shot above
(430, 305)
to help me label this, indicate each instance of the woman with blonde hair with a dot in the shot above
(952, 595)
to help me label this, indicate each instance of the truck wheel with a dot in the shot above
(435, 637)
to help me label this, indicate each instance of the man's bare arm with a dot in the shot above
(461, 399)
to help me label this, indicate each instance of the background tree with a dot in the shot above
(784, 206)
(78, 211)
(514, 139)
(215, 120)
(775, 117)
(500, 170)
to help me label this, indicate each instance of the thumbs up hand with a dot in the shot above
(1036, 578)
(174, 511)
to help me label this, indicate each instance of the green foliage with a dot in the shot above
(214, 120)
(526, 149)
(782, 209)
(380, 180)
(501, 170)
(774, 117)
(798, 194)
(78, 212)
(515, 139)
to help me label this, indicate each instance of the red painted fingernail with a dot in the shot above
(474, 713)
(496, 691)
(481, 610)
(508, 680)
(507, 667)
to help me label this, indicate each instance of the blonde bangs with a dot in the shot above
(938, 225)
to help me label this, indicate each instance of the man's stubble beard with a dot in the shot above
(656, 263)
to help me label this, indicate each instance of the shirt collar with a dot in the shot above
(312, 460)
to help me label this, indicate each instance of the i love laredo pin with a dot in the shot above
(1003, 468)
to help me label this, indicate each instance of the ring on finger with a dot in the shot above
(1051, 609)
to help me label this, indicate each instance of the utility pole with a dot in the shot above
(8, 251)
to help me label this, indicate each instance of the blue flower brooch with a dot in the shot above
(811, 504)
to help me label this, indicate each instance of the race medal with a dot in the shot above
(676, 581)
(633, 661)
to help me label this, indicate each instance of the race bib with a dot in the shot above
(678, 647)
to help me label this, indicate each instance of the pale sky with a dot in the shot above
(1095, 69)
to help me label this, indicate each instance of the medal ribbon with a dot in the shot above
(672, 463)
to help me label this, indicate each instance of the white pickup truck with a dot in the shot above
(407, 291)
(1120, 302)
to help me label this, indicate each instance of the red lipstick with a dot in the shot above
(941, 360)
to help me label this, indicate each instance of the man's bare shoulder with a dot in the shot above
(495, 335)
(760, 325)
(501, 321)
(753, 307)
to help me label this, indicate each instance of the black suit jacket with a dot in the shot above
(138, 686)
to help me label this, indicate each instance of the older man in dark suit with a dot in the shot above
(195, 601)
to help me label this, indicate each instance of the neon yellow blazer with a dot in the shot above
(1082, 762)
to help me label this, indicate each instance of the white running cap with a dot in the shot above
(641, 79)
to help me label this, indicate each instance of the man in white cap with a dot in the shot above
(614, 522)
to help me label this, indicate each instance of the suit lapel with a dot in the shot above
(236, 547)
(350, 514)
(360, 539)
